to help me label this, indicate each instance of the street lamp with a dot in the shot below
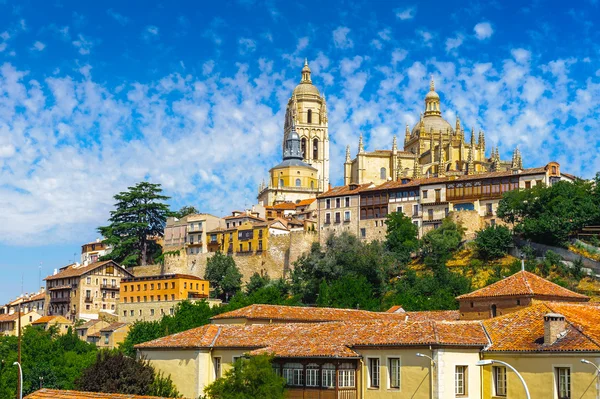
(488, 362)
(585, 361)
(431, 365)
(20, 379)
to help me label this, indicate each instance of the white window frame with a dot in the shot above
(373, 375)
(389, 372)
(217, 367)
(347, 219)
(346, 377)
(312, 375)
(495, 380)
(399, 209)
(328, 376)
(555, 368)
(465, 381)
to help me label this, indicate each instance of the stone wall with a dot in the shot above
(276, 261)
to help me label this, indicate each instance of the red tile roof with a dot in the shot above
(54, 319)
(284, 206)
(58, 394)
(113, 327)
(525, 283)
(345, 190)
(523, 331)
(305, 202)
(73, 271)
(305, 314)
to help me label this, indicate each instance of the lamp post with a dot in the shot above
(431, 366)
(488, 362)
(20, 379)
(585, 361)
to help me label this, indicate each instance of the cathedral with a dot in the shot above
(432, 148)
(304, 171)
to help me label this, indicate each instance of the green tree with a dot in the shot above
(438, 245)
(224, 276)
(113, 372)
(350, 292)
(401, 236)
(139, 218)
(248, 378)
(186, 210)
(551, 215)
(256, 282)
(493, 242)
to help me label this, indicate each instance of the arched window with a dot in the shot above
(281, 183)
(383, 173)
(316, 149)
(298, 183)
(303, 146)
(309, 116)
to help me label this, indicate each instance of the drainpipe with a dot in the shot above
(362, 378)
(431, 368)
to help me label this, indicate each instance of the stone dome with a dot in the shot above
(306, 88)
(434, 122)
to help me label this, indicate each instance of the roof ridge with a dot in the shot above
(435, 331)
(527, 282)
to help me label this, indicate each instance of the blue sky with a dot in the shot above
(96, 96)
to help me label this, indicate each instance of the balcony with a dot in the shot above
(88, 299)
(109, 287)
(244, 253)
(60, 300)
(195, 244)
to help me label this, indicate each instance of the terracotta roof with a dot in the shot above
(113, 327)
(345, 190)
(58, 394)
(435, 315)
(54, 319)
(88, 324)
(8, 317)
(284, 205)
(305, 314)
(525, 283)
(72, 271)
(305, 202)
(523, 330)
(330, 339)
(244, 215)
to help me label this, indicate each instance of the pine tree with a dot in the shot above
(139, 218)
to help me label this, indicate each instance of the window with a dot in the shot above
(382, 174)
(88, 280)
(312, 375)
(124, 313)
(293, 373)
(328, 375)
(493, 310)
(337, 217)
(151, 312)
(424, 193)
(217, 367)
(346, 216)
(363, 232)
(346, 375)
(347, 202)
(499, 380)
(327, 218)
(327, 203)
(338, 202)
(430, 214)
(528, 184)
(106, 339)
(309, 116)
(563, 382)
(394, 372)
(131, 313)
(415, 210)
(399, 209)
(171, 311)
(316, 149)
(298, 183)
(373, 372)
(281, 183)
(303, 147)
(460, 381)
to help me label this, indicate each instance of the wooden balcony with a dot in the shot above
(316, 393)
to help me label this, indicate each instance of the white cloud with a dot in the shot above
(385, 34)
(120, 18)
(483, 30)
(83, 44)
(377, 44)
(38, 46)
(5, 35)
(247, 45)
(341, 39)
(454, 42)
(150, 32)
(398, 55)
(426, 37)
(3, 47)
(407, 13)
(521, 55)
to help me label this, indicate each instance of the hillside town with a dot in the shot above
(519, 336)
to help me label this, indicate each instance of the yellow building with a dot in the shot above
(304, 172)
(60, 323)
(112, 335)
(355, 354)
(151, 297)
(247, 238)
(9, 323)
(432, 148)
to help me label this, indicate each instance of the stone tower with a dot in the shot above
(307, 111)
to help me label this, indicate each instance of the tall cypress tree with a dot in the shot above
(138, 220)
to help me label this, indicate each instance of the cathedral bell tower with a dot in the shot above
(307, 112)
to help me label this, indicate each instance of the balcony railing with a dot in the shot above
(60, 300)
(88, 299)
(109, 287)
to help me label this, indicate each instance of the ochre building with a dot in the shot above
(433, 147)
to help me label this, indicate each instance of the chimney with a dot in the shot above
(554, 327)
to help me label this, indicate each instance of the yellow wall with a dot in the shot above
(229, 238)
(170, 289)
(181, 365)
(538, 372)
(291, 173)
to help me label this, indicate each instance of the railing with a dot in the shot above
(109, 287)
(60, 300)
(88, 299)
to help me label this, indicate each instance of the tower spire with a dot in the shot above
(361, 147)
(306, 72)
(431, 84)
(348, 160)
(394, 145)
